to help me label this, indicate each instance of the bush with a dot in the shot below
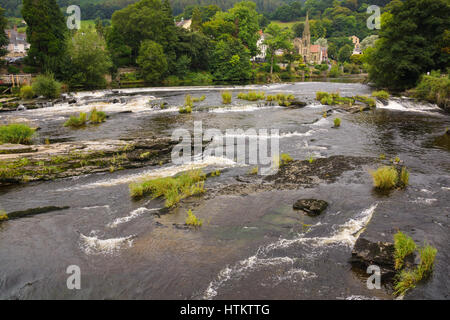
(380, 94)
(252, 95)
(334, 72)
(97, 116)
(404, 246)
(337, 122)
(26, 92)
(369, 101)
(404, 177)
(192, 220)
(226, 97)
(434, 88)
(29, 69)
(76, 122)
(385, 178)
(47, 86)
(173, 189)
(285, 159)
(16, 133)
(3, 216)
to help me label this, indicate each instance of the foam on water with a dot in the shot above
(133, 214)
(246, 108)
(94, 245)
(345, 234)
(410, 106)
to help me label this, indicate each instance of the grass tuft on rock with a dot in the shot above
(16, 133)
(173, 189)
(285, 158)
(404, 246)
(3, 216)
(404, 177)
(337, 122)
(381, 94)
(385, 178)
(76, 122)
(97, 116)
(192, 220)
(226, 97)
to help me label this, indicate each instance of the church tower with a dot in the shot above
(306, 39)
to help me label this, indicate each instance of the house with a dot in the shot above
(357, 48)
(311, 53)
(18, 44)
(262, 48)
(185, 24)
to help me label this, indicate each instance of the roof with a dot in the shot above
(315, 48)
(16, 37)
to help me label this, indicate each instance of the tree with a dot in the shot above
(368, 42)
(277, 38)
(411, 43)
(230, 60)
(46, 33)
(196, 19)
(152, 61)
(3, 37)
(89, 58)
(121, 53)
(345, 53)
(298, 28)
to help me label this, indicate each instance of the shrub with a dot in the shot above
(320, 95)
(380, 94)
(337, 122)
(192, 220)
(434, 88)
(76, 122)
(198, 99)
(13, 69)
(226, 97)
(252, 95)
(173, 189)
(16, 133)
(369, 101)
(404, 246)
(26, 92)
(385, 178)
(405, 280)
(334, 72)
(427, 255)
(97, 116)
(47, 86)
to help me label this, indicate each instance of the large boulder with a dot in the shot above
(312, 207)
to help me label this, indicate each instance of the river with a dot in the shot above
(250, 246)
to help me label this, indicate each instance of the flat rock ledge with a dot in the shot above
(61, 160)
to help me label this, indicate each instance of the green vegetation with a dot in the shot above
(385, 178)
(76, 122)
(253, 170)
(311, 159)
(434, 88)
(337, 122)
(369, 101)
(16, 133)
(192, 220)
(407, 279)
(226, 97)
(152, 61)
(202, 98)
(188, 101)
(216, 173)
(47, 86)
(382, 156)
(3, 216)
(173, 189)
(404, 246)
(252, 95)
(26, 92)
(185, 110)
(276, 39)
(404, 177)
(285, 158)
(97, 116)
(380, 94)
(4, 41)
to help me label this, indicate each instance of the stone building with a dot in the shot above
(311, 53)
(18, 44)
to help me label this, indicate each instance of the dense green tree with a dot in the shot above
(152, 61)
(196, 46)
(121, 53)
(46, 33)
(297, 29)
(230, 60)
(147, 20)
(345, 53)
(89, 58)
(3, 37)
(411, 43)
(276, 39)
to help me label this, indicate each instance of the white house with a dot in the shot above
(262, 48)
(18, 44)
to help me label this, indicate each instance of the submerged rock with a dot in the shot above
(34, 211)
(312, 207)
(8, 148)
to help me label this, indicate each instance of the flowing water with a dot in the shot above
(250, 246)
